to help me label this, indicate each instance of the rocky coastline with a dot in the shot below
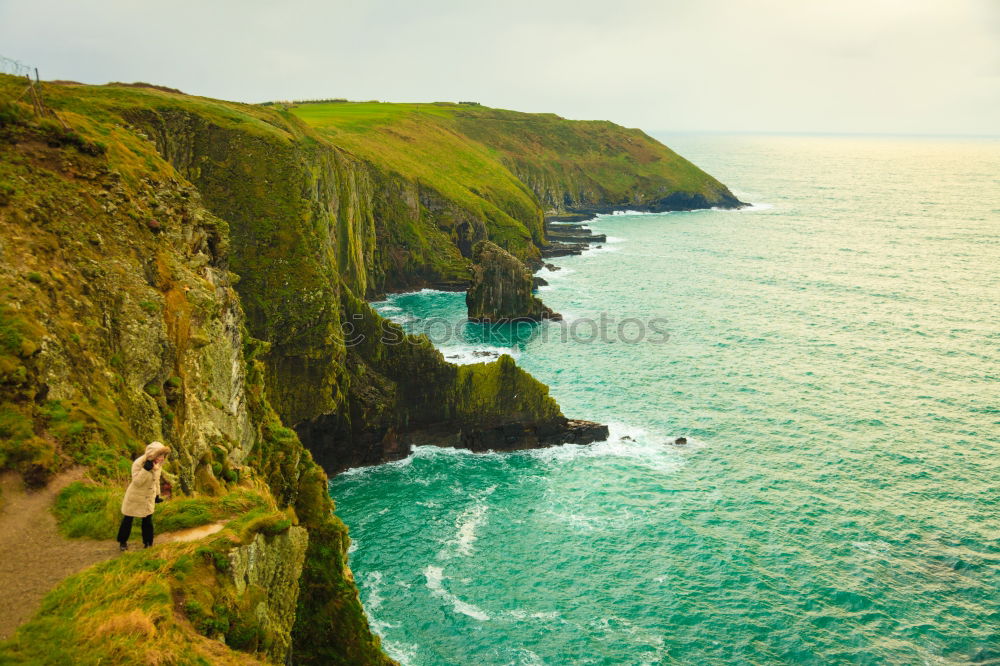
(197, 272)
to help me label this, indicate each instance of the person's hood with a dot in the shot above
(154, 449)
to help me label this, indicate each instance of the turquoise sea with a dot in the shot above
(833, 357)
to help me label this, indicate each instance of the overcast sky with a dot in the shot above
(896, 66)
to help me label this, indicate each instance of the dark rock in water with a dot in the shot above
(626, 438)
(510, 436)
(563, 249)
(567, 228)
(674, 201)
(501, 288)
(577, 237)
(681, 441)
(481, 354)
(553, 267)
(570, 217)
(537, 282)
(579, 432)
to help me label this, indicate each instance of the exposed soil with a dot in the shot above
(35, 557)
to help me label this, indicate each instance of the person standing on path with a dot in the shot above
(143, 494)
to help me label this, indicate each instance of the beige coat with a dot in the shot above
(140, 498)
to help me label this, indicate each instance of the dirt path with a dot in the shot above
(34, 557)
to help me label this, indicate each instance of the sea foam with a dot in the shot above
(435, 583)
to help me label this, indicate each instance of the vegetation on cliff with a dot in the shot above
(120, 325)
(501, 288)
(472, 152)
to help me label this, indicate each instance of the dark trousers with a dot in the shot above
(125, 530)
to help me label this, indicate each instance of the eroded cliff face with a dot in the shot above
(121, 287)
(314, 229)
(265, 576)
(593, 166)
(404, 394)
(119, 324)
(501, 288)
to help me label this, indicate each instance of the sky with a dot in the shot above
(838, 66)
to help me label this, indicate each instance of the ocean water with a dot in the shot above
(833, 357)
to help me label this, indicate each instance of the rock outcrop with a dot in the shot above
(565, 238)
(501, 288)
(265, 574)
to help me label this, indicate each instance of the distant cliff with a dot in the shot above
(195, 271)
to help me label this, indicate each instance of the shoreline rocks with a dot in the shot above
(567, 239)
(501, 288)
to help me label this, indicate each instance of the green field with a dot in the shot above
(466, 149)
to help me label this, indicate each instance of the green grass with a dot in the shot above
(94, 511)
(140, 607)
(468, 151)
(420, 142)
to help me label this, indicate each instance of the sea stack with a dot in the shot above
(500, 290)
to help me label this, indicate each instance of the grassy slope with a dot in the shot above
(595, 155)
(152, 607)
(468, 151)
(420, 142)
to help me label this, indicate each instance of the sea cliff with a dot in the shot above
(195, 271)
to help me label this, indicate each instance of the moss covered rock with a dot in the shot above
(501, 288)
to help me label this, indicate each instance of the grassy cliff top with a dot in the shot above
(453, 146)
(422, 142)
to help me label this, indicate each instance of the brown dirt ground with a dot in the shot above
(34, 557)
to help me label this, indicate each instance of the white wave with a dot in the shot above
(401, 319)
(431, 451)
(404, 653)
(372, 584)
(614, 239)
(424, 451)
(596, 249)
(753, 205)
(751, 208)
(526, 657)
(550, 275)
(580, 522)
(651, 450)
(630, 212)
(468, 354)
(387, 308)
(872, 547)
(435, 583)
(356, 471)
(521, 614)
(467, 523)
(425, 290)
